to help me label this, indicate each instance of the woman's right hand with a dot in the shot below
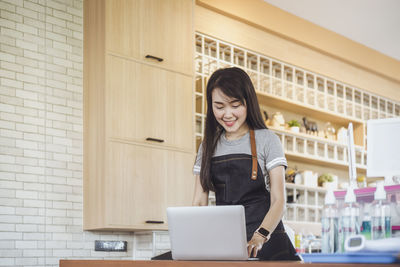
(255, 245)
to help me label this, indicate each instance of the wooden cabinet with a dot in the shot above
(157, 28)
(179, 191)
(141, 182)
(138, 114)
(134, 184)
(147, 102)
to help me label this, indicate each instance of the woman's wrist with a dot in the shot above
(264, 233)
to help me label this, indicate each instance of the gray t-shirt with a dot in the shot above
(269, 151)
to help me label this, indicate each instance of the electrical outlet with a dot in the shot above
(101, 245)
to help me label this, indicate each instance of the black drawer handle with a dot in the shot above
(155, 140)
(157, 222)
(156, 58)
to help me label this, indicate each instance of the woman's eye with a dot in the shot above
(236, 106)
(219, 107)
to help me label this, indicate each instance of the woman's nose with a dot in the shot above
(228, 113)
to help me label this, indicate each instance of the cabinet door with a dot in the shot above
(141, 182)
(148, 102)
(164, 29)
(135, 186)
(180, 183)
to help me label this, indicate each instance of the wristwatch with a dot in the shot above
(263, 232)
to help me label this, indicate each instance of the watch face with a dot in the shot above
(263, 231)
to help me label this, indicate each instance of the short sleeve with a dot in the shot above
(274, 153)
(197, 163)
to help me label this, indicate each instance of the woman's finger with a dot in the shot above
(256, 249)
(249, 249)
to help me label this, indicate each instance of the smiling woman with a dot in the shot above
(225, 86)
(243, 162)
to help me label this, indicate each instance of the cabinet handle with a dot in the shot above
(155, 140)
(156, 58)
(157, 222)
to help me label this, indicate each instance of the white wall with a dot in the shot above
(41, 93)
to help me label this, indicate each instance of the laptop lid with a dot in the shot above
(207, 233)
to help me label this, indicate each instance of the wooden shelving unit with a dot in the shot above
(305, 210)
(294, 89)
(306, 109)
(317, 150)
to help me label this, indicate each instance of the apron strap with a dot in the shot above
(253, 155)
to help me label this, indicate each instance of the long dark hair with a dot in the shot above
(234, 83)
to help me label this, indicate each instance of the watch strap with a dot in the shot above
(263, 232)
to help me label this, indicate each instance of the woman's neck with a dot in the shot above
(238, 134)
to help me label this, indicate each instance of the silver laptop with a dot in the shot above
(207, 233)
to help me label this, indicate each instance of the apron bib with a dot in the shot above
(238, 180)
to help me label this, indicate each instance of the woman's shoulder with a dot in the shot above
(262, 133)
(265, 136)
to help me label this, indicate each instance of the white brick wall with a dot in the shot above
(41, 98)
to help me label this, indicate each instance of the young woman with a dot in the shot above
(243, 162)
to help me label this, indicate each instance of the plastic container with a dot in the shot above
(366, 220)
(366, 196)
(330, 221)
(380, 215)
(349, 223)
(361, 181)
(298, 242)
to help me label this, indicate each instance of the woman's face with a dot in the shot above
(229, 112)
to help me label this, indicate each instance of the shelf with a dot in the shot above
(304, 227)
(313, 138)
(320, 151)
(322, 162)
(304, 197)
(303, 187)
(304, 213)
(304, 206)
(307, 110)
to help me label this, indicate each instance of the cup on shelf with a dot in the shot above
(309, 178)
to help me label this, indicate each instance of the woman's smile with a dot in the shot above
(229, 123)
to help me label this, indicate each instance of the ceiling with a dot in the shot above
(373, 23)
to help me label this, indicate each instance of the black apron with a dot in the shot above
(234, 185)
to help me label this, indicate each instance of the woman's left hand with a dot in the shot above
(255, 244)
